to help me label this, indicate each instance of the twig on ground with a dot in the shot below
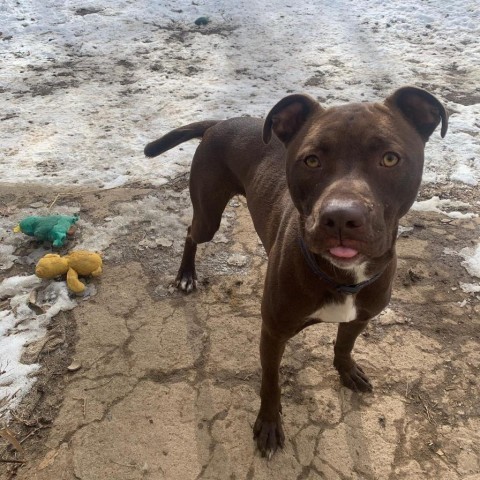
(33, 432)
(27, 423)
(54, 201)
(124, 464)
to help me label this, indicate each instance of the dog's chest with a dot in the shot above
(345, 311)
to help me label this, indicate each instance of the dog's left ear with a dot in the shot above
(288, 116)
(421, 109)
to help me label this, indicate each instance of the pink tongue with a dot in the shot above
(343, 252)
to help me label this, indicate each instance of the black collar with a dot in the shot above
(338, 287)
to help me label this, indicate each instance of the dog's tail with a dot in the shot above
(178, 136)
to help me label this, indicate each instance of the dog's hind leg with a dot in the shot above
(212, 185)
(206, 221)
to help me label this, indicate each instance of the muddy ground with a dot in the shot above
(169, 383)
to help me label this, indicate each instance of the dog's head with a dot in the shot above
(354, 170)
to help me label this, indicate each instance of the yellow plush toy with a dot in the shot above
(74, 264)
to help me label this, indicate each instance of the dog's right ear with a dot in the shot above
(288, 116)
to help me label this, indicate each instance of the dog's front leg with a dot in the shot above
(268, 429)
(351, 374)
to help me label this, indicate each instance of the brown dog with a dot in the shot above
(325, 195)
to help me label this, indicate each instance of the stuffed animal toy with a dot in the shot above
(53, 228)
(77, 263)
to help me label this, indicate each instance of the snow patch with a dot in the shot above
(83, 94)
(159, 217)
(6, 256)
(402, 230)
(434, 204)
(470, 287)
(464, 174)
(471, 260)
(20, 284)
(21, 326)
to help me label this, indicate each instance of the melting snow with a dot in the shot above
(21, 326)
(471, 261)
(434, 204)
(87, 83)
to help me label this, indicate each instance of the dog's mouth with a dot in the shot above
(346, 251)
(343, 252)
(344, 257)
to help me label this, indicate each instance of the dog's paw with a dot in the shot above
(186, 281)
(269, 436)
(355, 379)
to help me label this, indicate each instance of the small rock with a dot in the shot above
(237, 260)
(146, 243)
(32, 303)
(220, 238)
(74, 366)
(382, 421)
(413, 276)
(201, 21)
(37, 205)
(164, 242)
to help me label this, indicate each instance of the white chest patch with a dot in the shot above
(337, 312)
(345, 311)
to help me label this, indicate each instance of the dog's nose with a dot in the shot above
(343, 216)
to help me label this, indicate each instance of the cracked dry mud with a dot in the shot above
(169, 383)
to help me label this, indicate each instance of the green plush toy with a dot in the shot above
(53, 228)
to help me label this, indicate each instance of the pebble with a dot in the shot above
(74, 366)
(164, 242)
(220, 238)
(202, 21)
(237, 260)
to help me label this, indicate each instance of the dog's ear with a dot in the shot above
(287, 117)
(421, 109)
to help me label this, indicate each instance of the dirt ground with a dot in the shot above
(168, 387)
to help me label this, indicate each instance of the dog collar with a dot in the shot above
(338, 287)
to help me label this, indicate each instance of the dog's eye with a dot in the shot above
(390, 159)
(312, 161)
